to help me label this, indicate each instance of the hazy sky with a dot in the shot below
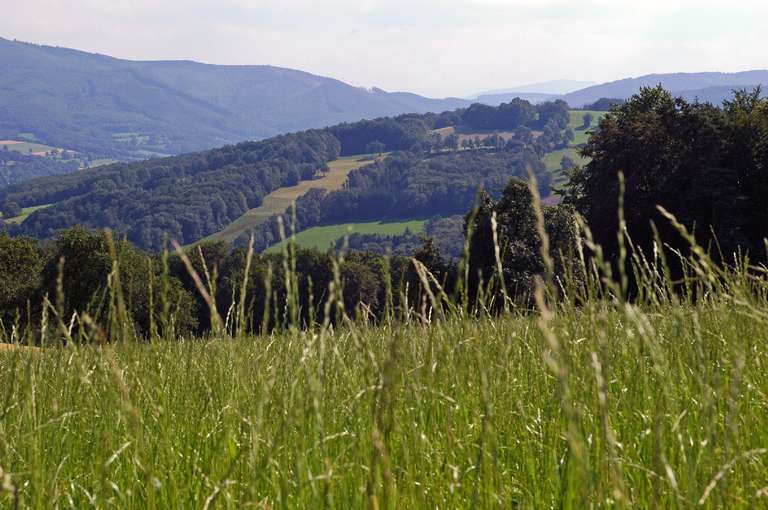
(433, 47)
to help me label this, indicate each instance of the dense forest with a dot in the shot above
(183, 198)
(706, 165)
(79, 261)
(191, 196)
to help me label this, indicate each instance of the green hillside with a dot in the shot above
(133, 109)
(553, 159)
(228, 193)
(281, 199)
(25, 212)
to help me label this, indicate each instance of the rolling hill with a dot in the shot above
(237, 189)
(99, 104)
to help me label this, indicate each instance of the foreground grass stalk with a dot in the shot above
(592, 401)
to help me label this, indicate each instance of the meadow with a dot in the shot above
(281, 199)
(585, 400)
(323, 237)
(25, 213)
(26, 147)
(581, 135)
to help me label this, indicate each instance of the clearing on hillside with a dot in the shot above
(35, 149)
(25, 212)
(581, 133)
(466, 133)
(581, 136)
(322, 237)
(281, 199)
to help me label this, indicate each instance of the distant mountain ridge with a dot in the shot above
(709, 86)
(97, 103)
(534, 92)
(551, 88)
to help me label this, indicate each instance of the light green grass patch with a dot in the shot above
(321, 238)
(25, 213)
(281, 199)
(25, 147)
(581, 134)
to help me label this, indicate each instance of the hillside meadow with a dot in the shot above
(283, 198)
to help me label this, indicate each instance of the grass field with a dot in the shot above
(581, 136)
(25, 147)
(604, 404)
(280, 200)
(576, 123)
(471, 134)
(325, 236)
(25, 212)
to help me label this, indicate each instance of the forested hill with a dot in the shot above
(191, 196)
(98, 104)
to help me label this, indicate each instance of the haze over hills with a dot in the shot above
(552, 88)
(534, 92)
(95, 103)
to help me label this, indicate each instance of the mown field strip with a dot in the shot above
(281, 199)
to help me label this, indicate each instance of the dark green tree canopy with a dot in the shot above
(704, 164)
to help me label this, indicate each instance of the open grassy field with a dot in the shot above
(604, 405)
(471, 133)
(325, 236)
(581, 136)
(25, 147)
(576, 123)
(280, 200)
(584, 399)
(25, 212)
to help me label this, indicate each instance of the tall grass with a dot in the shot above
(592, 401)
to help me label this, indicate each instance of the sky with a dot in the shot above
(432, 47)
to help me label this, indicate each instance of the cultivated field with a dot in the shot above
(323, 237)
(281, 199)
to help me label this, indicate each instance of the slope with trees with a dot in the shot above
(193, 196)
(126, 109)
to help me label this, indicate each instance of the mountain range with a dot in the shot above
(710, 86)
(123, 109)
(95, 103)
